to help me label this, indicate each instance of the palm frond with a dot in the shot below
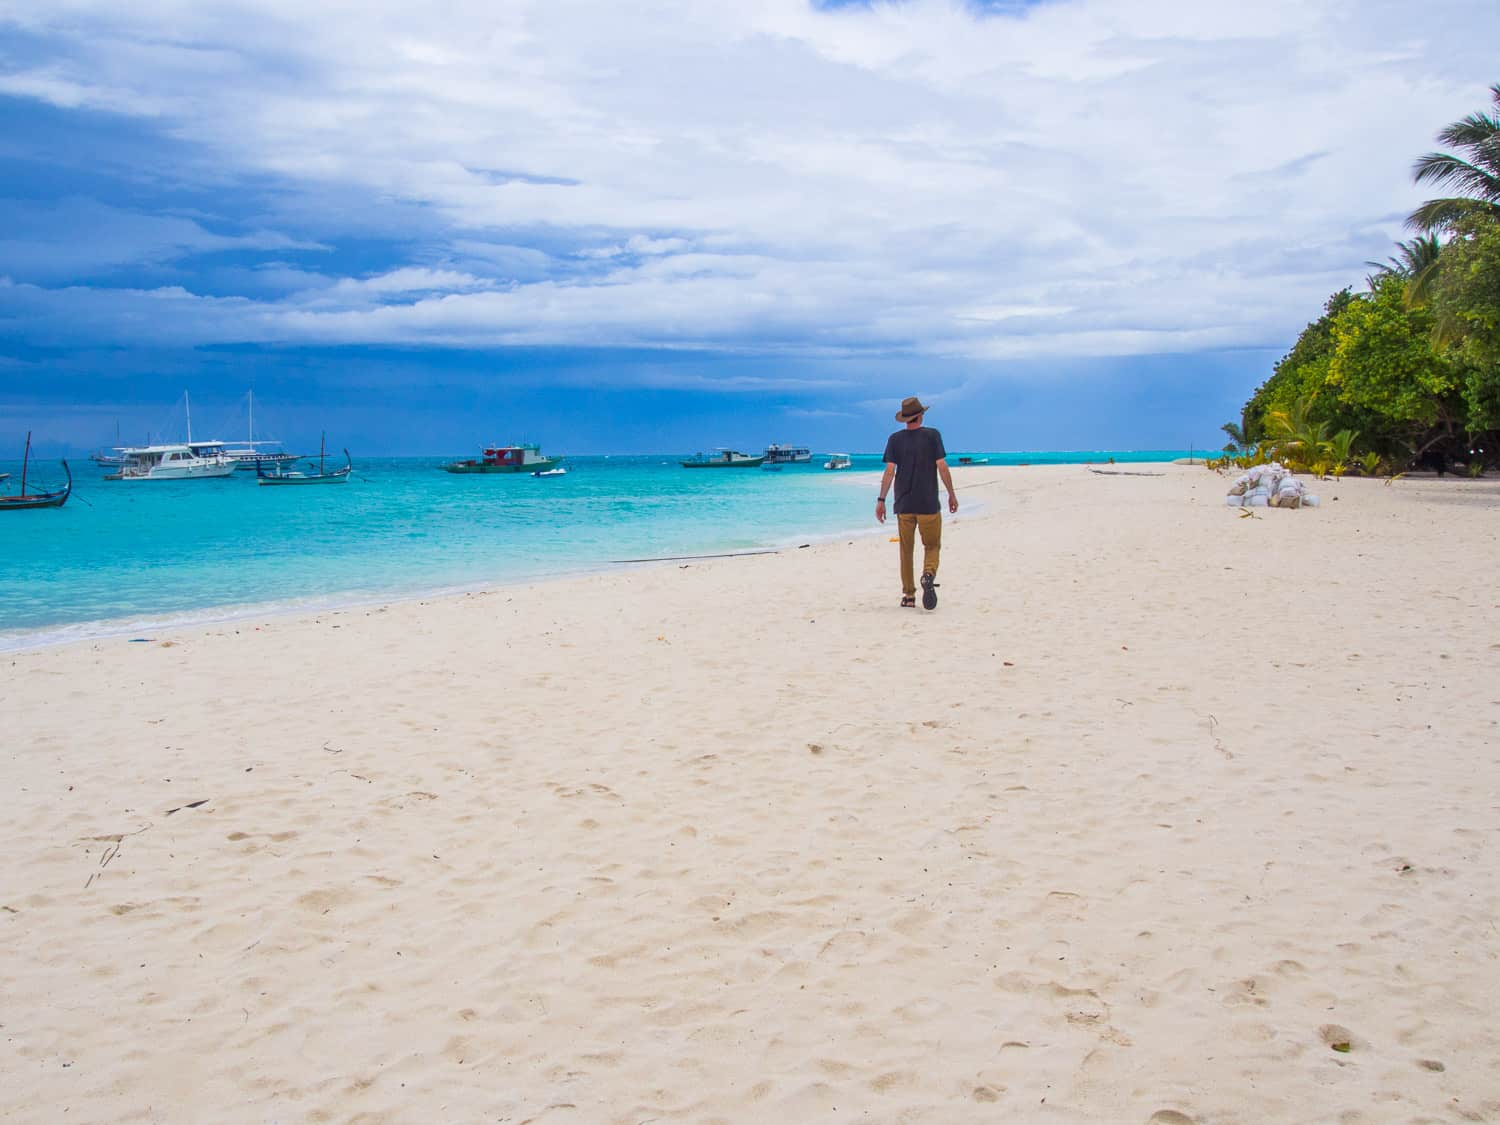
(1439, 214)
(1448, 170)
(1476, 131)
(1420, 284)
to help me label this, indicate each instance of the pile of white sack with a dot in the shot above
(1270, 486)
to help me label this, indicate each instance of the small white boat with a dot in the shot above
(559, 472)
(838, 461)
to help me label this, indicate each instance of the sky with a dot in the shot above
(671, 225)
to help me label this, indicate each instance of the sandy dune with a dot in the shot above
(1157, 811)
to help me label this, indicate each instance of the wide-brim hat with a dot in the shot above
(911, 409)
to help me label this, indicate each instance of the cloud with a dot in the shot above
(79, 237)
(1080, 178)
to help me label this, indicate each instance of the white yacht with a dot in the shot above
(838, 461)
(174, 462)
(187, 460)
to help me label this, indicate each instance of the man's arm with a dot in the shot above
(942, 468)
(885, 490)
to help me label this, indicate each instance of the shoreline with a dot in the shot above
(85, 632)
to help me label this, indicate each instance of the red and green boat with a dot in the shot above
(507, 459)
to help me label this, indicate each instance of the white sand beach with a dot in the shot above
(1165, 815)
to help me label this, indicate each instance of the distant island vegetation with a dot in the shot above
(1407, 373)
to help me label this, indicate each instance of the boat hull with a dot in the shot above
(748, 463)
(178, 472)
(535, 467)
(45, 500)
(331, 478)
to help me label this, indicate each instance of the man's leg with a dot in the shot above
(907, 526)
(931, 528)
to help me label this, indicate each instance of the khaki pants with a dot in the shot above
(931, 528)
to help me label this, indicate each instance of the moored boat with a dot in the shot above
(838, 461)
(723, 459)
(174, 462)
(251, 457)
(28, 500)
(116, 459)
(322, 476)
(788, 454)
(189, 460)
(525, 458)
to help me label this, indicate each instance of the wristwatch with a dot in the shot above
(880, 499)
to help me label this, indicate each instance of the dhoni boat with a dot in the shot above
(53, 499)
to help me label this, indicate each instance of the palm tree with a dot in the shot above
(1294, 434)
(1477, 178)
(1341, 450)
(1236, 435)
(1416, 263)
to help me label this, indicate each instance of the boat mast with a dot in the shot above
(188, 406)
(251, 442)
(25, 462)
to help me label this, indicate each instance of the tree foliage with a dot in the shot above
(1384, 361)
(1466, 308)
(1413, 365)
(1300, 374)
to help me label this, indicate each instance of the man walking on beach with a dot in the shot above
(914, 459)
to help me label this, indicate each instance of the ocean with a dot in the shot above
(125, 557)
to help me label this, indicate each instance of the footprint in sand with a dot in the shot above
(1338, 1038)
(1170, 1117)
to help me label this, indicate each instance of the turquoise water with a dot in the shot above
(120, 555)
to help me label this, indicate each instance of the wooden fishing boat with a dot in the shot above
(322, 476)
(36, 499)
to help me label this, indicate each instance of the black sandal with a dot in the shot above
(908, 601)
(929, 592)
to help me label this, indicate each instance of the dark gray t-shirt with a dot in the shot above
(915, 453)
